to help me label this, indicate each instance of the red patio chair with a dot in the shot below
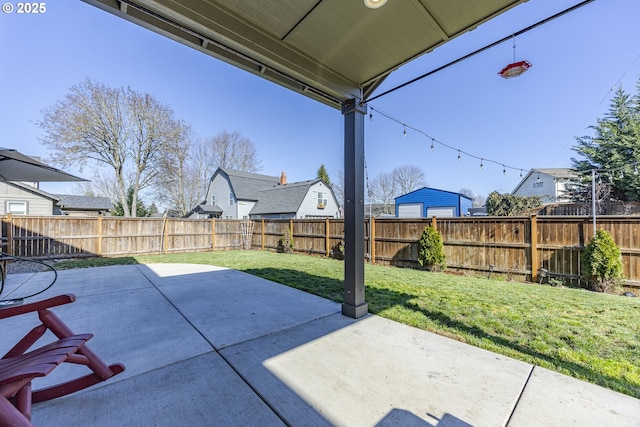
(19, 366)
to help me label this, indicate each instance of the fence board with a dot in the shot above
(477, 244)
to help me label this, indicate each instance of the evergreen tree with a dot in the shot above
(323, 175)
(615, 147)
(141, 209)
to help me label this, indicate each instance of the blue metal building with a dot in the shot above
(429, 202)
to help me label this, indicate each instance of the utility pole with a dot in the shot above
(593, 199)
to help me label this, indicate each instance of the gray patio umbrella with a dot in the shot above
(15, 166)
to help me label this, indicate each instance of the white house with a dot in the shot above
(239, 195)
(550, 184)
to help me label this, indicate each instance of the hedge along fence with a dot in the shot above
(518, 246)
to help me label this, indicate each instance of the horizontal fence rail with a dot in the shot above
(518, 247)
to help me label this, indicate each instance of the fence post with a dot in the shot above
(534, 248)
(100, 235)
(213, 234)
(262, 238)
(327, 242)
(372, 239)
(434, 223)
(165, 233)
(10, 233)
(291, 230)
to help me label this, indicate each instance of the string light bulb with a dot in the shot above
(432, 146)
(459, 157)
(371, 116)
(520, 173)
(481, 165)
(504, 170)
(404, 133)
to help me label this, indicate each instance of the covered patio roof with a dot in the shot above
(329, 50)
(334, 51)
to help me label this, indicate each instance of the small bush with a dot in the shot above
(431, 251)
(286, 242)
(602, 263)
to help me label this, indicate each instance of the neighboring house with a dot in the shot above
(549, 184)
(239, 195)
(429, 202)
(82, 205)
(19, 198)
(205, 211)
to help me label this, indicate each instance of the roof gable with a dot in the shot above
(33, 190)
(558, 173)
(427, 189)
(283, 198)
(246, 185)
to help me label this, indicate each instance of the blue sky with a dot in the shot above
(525, 122)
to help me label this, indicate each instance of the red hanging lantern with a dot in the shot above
(514, 69)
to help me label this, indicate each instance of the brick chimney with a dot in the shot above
(283, 178)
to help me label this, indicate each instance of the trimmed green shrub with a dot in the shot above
(431, 250)
(602, 263)
(286, 241)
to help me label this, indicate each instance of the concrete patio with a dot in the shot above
(207, 346)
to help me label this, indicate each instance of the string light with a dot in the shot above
(404, 133)
(407, 127)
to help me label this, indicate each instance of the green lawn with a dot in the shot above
(594, 337)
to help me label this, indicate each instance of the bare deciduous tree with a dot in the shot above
(338, 187)
(477, 199)
(383, 191)
(232, 151)
(407, 178)
(119, 128)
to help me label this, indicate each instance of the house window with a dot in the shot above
(230, 199)
(213, 199)
(17, 208)
(320, 199)
(537, 184)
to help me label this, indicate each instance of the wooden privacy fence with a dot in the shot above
(71, 237)
(517, 247)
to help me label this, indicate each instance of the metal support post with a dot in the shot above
(354, 303)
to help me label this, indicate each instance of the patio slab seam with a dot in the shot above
(524, 387)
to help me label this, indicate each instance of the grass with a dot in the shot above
(590, 336)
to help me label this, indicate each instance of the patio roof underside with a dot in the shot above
(329, 50)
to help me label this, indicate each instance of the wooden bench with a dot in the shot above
(20, 366)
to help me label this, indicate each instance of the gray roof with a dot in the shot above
(282, 198)
(207, 209)
(68, 201)
(247, 186)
